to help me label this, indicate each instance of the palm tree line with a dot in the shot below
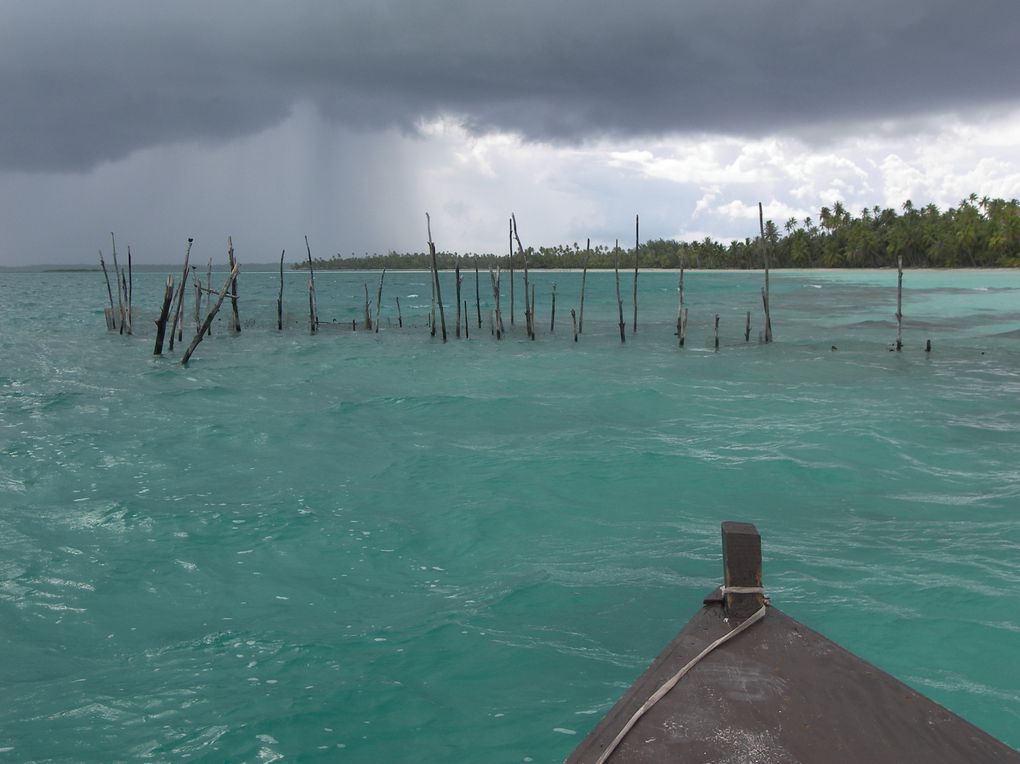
(977, 233)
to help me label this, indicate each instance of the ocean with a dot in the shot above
(377, 547)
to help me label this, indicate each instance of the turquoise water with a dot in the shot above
(376, 547)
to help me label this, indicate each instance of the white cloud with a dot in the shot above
(357, 192)
(773, 210)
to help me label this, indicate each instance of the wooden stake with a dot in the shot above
(435, 274)
(432, 314)
(198, 296)
(747, 328)
(466, 322)
(164, 314)
(497, 318)
(478, 297)
(400, 318)
(765, 253)
(378, 300)
(552, 321)
(511, 270)
(313, 310)
(532, 312)
(279, 298)
(683, 328)
(619, 300)
(765, 305)
(456, 277)
(130, 290)
(180, 310)
(235, 319)
(573, 320)
(529, 309)
(637, 241)
(211, 315)
(120, 291)
(179, 302)
(368, 315)
(680, 304)
(584, 277)
(208, 295)
(126, 318)
(111, 318)
(716, 331)
(899, 303)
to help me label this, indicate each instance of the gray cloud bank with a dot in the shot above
(84, 82)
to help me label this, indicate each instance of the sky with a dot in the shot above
(348, 120)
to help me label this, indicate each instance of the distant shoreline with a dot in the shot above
(275, 267)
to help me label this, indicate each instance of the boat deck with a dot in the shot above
(780, 693)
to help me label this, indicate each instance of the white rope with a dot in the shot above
(742, 590)
(672, 681)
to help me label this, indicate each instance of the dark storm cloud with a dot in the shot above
(85, 82)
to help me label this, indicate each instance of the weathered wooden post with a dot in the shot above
(742, 578)
(533, 303)
(129, 290)
(899, 303)
(126, 328)
(573, 320)
(716, 331)
(120, 291)
(368, 314)
(511, 270)
(467, 333)
(378, 301)
(179, 302)
(456, 278)
(200, 334)
(619, 300)
(208, 295)
(497, 315)
(552, 321)
(400, 318)
(111, 317)
(197, 282)
(435, 275)
(164, 314)
(235, 319)
(279, 299)
(683, 328)
(680, 306)
(765, 290)
(529, 308)
(637, 242)
(478, 297)
(432, 312)
(747, 328)
(533, 309)
(584, 277)
(313, 310)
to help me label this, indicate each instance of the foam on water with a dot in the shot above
(381, 546)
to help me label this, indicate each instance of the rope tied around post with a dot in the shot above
(743, 599)
(724, 590)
